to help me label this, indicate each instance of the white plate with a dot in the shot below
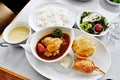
(53, 71)
(33, 16)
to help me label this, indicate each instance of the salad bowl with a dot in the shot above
(114, 2)
(92, 23)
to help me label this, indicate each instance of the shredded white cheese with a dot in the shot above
(92, 17)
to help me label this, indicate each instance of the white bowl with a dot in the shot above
(15, 41)
(41, 33)
(78, 26)
(33, 17)
(113, 3)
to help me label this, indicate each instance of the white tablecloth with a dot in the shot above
(15, 60)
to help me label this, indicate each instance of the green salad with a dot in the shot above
(93, 22)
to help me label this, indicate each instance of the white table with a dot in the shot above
(15, 60)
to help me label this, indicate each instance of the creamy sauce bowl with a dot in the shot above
(15, 34)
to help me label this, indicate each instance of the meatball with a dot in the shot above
(46, 40)
(54, 45)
